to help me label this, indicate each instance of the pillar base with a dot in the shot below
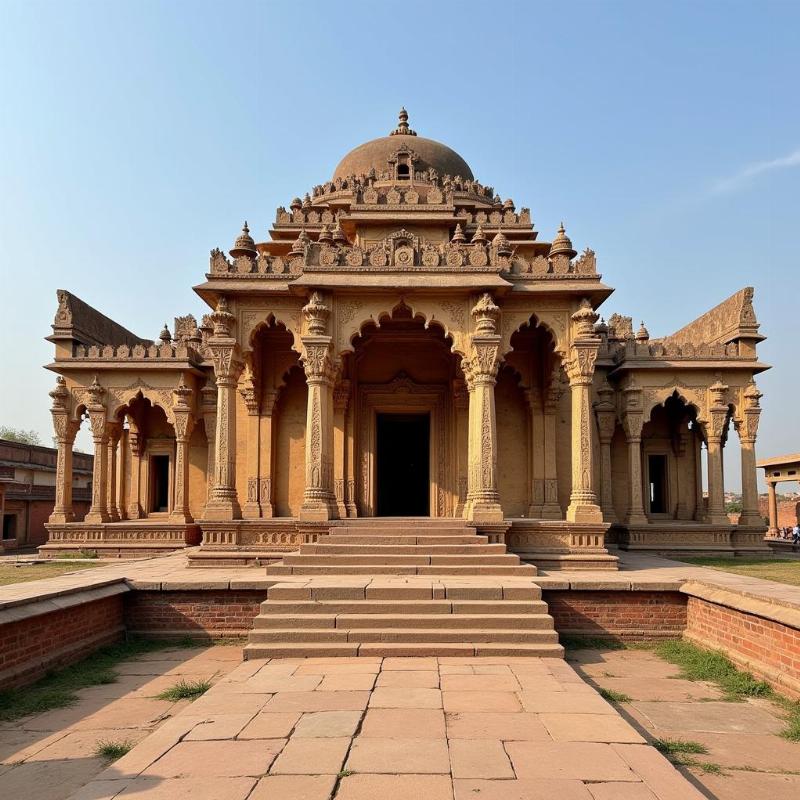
(636, 519)
(97, 516)
(751, 518)
(135, 511)
(181, 517)
(251, 511)
(222, 510)
(719, 519)
(58, 517)
(318, 511)
(484, 512)
(584, 512)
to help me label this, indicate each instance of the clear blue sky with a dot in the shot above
(136, 136)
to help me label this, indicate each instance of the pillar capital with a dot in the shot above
(317, 361)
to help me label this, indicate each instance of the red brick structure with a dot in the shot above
(30, 492)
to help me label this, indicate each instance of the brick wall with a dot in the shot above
(215, 613)
(766, 647)
(32, 646)
(622, 614)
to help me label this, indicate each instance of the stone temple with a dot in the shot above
(404, 345)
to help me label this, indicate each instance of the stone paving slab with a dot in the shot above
(489, 735)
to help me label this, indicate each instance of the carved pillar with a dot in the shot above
(633, 421)
(747, 428)
(98, 512)
(252, 506)
(223, 503)
(184, 423)
(122, 462)
(341, 399)
(483, 499)
(265, 454)
(583, 506)
(773, 509)
(606, 424)
(208, 409)
(461, 410)
(350, 461)
(551, 509)
(114, 433)
(136, 441)
(318, 499)
(65, 430)
(715, 432)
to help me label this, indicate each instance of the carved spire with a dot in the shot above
(325, 235)
(479, 237)
(642, 335)
(317, 313)
(584, 319)
(165, 335)
(222, 318)
(402, 128)
(61, 393)
(458, 236)
(306, 200)
(96, 392)
(339, 236)
(296, 204)
(244, 244)
(562, 243)
(501, 244)
(486, 313)
(299, 246)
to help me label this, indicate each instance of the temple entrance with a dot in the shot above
(403, 465)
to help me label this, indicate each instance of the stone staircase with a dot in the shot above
(397, 546)
(403, 588)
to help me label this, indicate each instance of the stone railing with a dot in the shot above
(632, 349)
(124, 352)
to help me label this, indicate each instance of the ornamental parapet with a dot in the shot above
(139, 352)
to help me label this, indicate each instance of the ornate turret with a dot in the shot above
(562, 244)
(402, 128)
(642, 335)
(165, 335)
(339, 236)
(325, 235)
(458, 236)
(244, 244)
(501, 244)
(479, 237)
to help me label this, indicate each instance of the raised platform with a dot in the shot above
(677, 538)
(126, 539)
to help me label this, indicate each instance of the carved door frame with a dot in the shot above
(403, 396)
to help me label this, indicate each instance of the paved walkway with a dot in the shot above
(742, 738)
(395, 728)
(50, 755)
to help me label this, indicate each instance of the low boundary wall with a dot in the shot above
(45, 632)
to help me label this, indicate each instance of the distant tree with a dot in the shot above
(733, 507)
(19, 435)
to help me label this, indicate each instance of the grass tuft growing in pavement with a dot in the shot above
(58, 689)
(672, 746)
(680, 751)
(112, 750)
(698, 664)
(612, 696)
(185, 690)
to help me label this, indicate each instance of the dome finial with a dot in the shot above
(402, 128)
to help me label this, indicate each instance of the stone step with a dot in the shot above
(401, 538)
(427, 621)
(303, 559)
(467, 571)
(411, 635)
(439, 608)
(380, 530)
(401, 522)
(473, 548)
(402, 649)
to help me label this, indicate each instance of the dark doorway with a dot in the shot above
(403, 471)
(159, 473)
(657, 476)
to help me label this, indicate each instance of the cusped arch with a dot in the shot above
(288, 320)
(691, 398)
(515, 321)
(119, 398)
(353, 328)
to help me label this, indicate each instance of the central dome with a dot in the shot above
(429, 154)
